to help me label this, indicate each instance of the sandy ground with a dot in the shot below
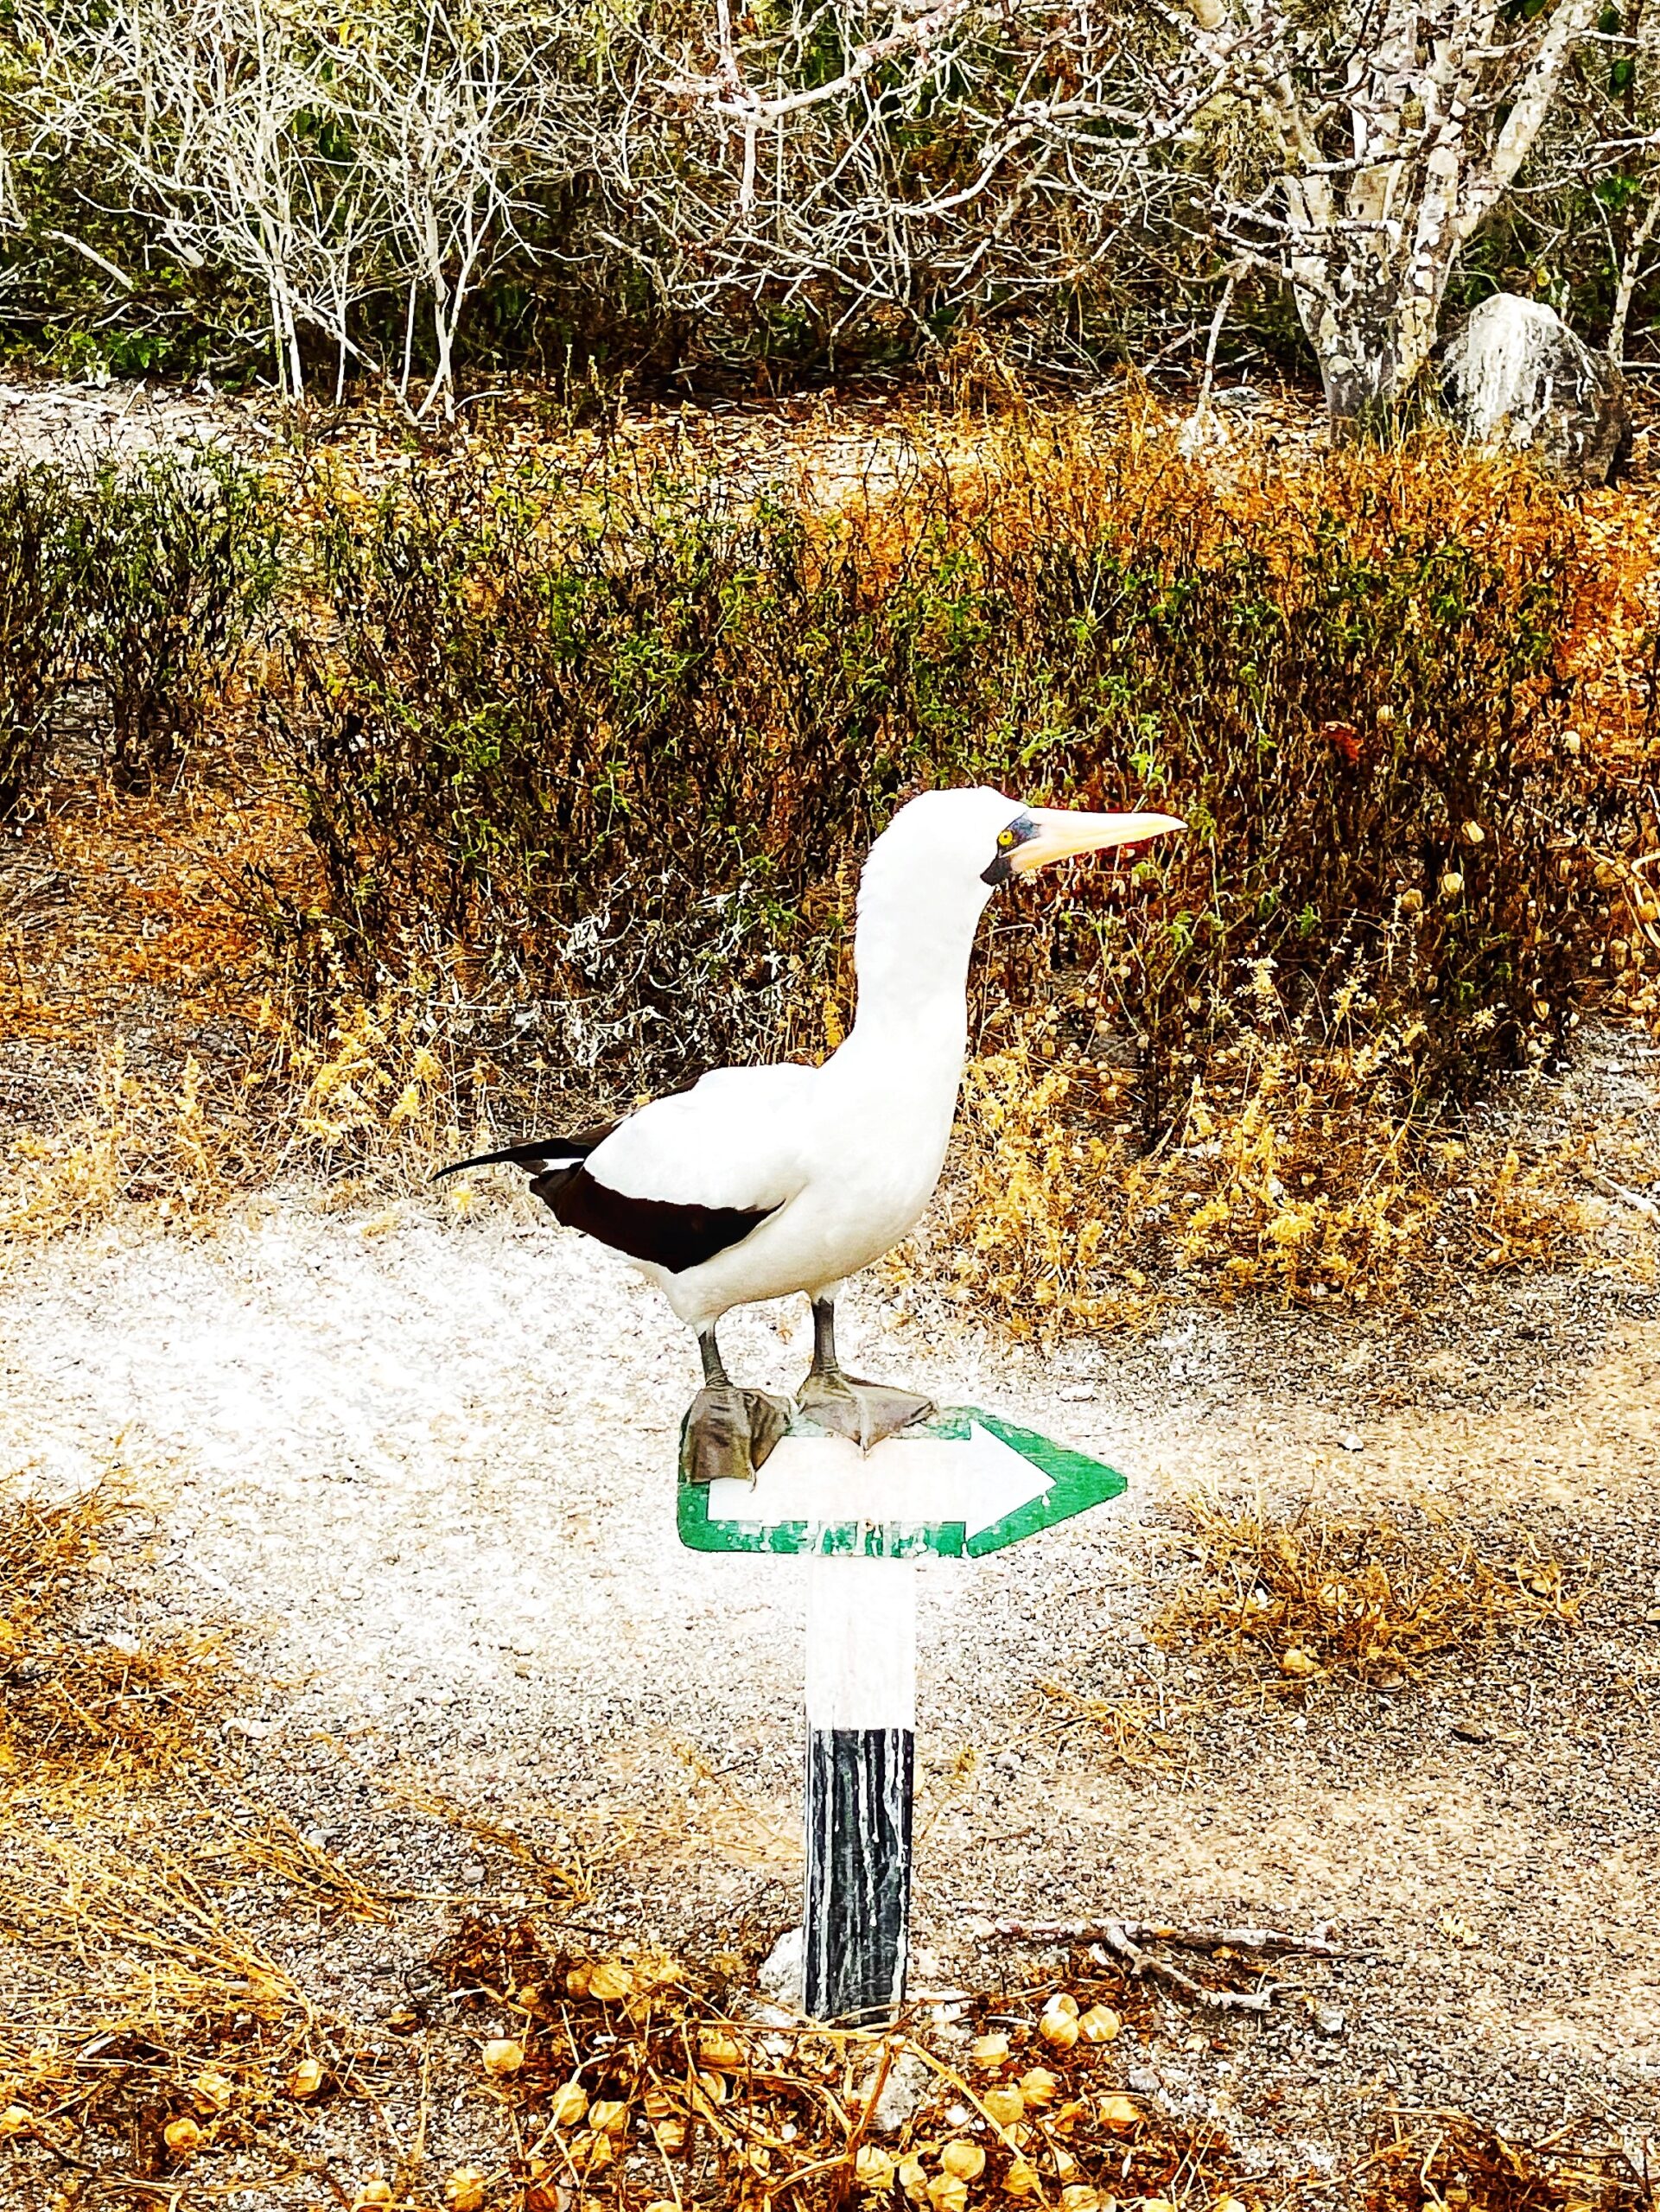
(56, 419)
(426, 1467)
(423, 1469)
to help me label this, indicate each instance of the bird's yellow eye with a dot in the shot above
(1005, 839)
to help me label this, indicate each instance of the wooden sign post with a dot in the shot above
(957, 1487)
(862, 1699)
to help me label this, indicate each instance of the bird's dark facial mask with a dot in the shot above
(1019, 831)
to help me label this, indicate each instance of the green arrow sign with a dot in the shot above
(962, 1484)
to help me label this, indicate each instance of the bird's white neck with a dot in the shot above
(911, 954)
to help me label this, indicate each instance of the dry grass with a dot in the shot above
(1149, 1734)
(138, 1145)
(76, 1701)
(154, 2025)
(1281, 1181)
(1271, 1609)
(119, 1828)
(1445, 2162)
(368, 1108)
(1293, 1602)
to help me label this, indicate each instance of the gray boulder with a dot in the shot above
(1516, 376)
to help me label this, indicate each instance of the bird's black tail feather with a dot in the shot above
(540, 1153)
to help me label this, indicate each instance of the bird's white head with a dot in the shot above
(928, 877)
(964, 843)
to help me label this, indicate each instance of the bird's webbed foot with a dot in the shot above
(729, 1432)
(867, 1412)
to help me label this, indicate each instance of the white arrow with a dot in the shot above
(976, 1479)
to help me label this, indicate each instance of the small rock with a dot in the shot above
(1330, 2019)
(1350, 1441)
(782, 1973)
(907, 2081)
(1516, 376)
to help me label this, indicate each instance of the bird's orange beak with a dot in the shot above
(1060, 833)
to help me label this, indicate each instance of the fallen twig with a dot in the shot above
(1125, 1940)
(1156, 1931)
(1116, 1943)
(1610, 1189)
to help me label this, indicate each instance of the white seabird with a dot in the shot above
(759, 1182)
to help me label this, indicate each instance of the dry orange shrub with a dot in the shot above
(1118, 476)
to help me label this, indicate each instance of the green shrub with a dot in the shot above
(143, 578)
(34, 607)
(168, 558)
(619, 750)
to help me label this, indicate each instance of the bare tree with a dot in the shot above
(898, 161)
(841, 162)
(1588, 204)
(460, 108)
(1388, 154)
(230, 136)
(332, 158)
(1352, 151)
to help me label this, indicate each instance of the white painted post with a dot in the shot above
(967, 1483)
(861, 1696)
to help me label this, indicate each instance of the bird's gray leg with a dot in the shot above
(841, 1403)
(726, 1431)
(824, 1361)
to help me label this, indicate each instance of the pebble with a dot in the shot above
(782, 1972)
(907, 2083)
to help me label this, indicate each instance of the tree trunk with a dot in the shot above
(1364, 389)
(1372, 339)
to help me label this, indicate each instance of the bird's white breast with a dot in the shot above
(869, 1131)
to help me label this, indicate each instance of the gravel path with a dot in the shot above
(437, 1464)
(428, 1467)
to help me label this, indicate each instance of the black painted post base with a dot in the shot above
(861, 1689)
(858, 1905)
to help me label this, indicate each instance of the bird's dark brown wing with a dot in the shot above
(673, 1237)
